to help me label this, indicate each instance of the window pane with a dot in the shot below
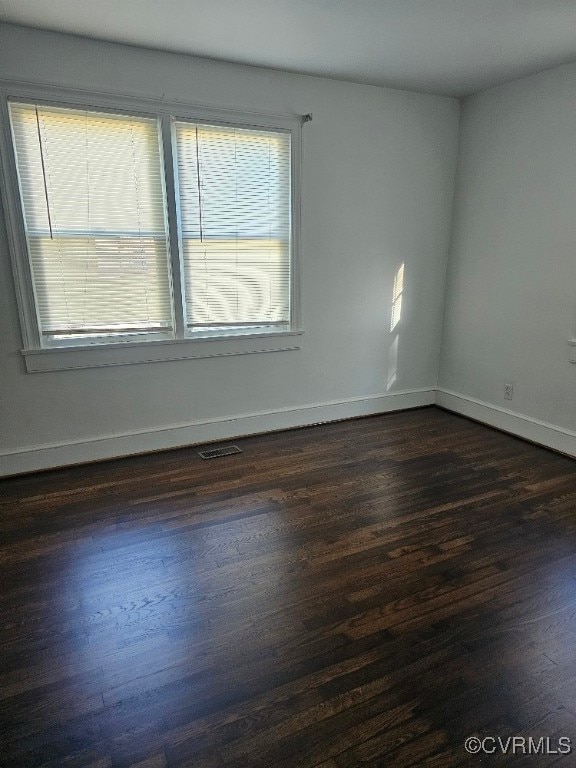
(234, 190)
(93, 200)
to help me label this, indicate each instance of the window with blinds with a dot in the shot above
(234, 198)
(93, 204)
(124, 247)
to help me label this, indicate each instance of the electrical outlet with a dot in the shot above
(508, 391)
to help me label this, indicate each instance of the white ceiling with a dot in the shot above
(452, 47)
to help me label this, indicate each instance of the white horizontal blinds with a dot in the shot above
(235, 201)
(93, 200)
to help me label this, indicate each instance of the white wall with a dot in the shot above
(511, 288)
(378, 168)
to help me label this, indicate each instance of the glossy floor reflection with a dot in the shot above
(370, 592)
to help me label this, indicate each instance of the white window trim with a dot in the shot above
(208, 344)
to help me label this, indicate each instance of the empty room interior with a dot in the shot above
(287, 383)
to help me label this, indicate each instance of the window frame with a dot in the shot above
(184, 344)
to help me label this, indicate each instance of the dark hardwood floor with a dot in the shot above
(370, 593)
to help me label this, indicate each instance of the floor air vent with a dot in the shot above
(215, 453)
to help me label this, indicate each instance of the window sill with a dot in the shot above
(131, 352)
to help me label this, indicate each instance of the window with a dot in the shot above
(234, 201)
(151, 227)
(93, 205)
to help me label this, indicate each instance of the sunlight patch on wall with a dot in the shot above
(395, 315)
(397, 297)
(392, 363)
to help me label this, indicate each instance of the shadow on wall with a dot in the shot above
(395, 315)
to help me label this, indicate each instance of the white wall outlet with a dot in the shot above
(508, 391)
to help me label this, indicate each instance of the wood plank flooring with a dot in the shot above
(367, 593)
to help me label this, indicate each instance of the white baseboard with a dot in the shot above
(48, 456)
(541, 432)
(40, 457)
